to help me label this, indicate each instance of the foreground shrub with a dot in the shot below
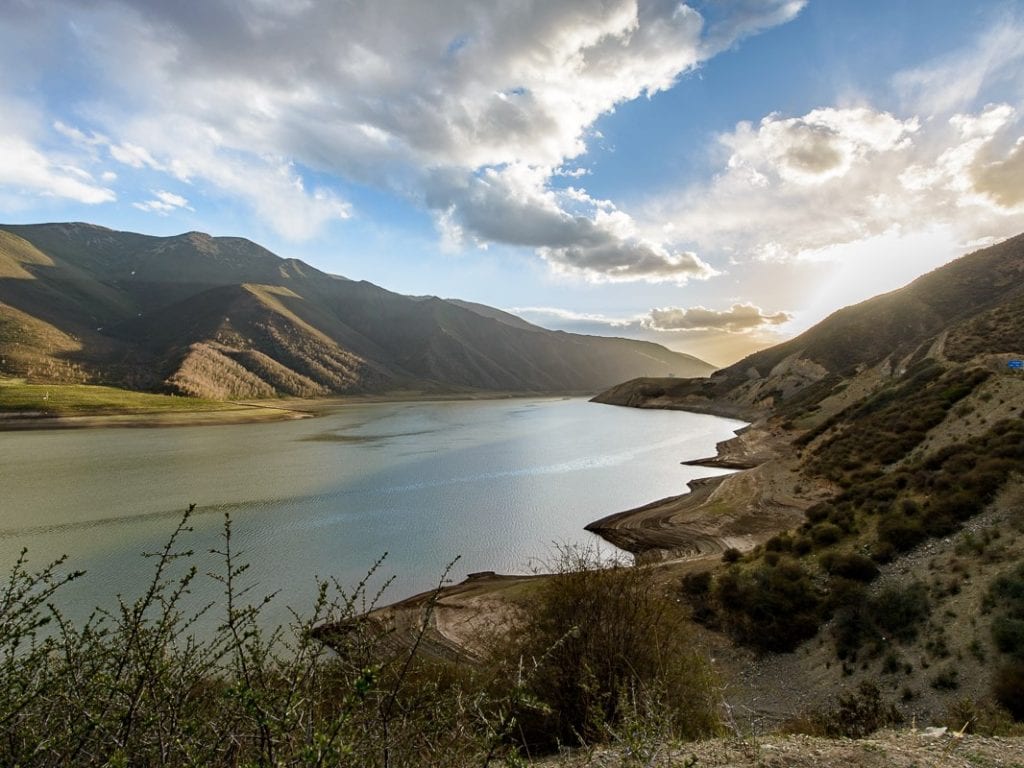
(600, 647)
(134, 687)
(855, 715)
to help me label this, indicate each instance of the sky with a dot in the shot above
(713, 175)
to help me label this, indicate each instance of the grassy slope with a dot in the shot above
(17, 396)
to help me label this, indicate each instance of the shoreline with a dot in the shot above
(677, 534)
(238, 412)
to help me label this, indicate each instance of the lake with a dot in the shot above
(495, 482)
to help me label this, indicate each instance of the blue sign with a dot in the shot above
(1016, 364)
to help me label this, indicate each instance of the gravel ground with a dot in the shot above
(905, 749)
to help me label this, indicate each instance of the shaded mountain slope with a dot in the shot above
(224, 317)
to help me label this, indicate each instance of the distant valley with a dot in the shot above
(224, 318)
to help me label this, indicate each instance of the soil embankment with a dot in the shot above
(737, 511)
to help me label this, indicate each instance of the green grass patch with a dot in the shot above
(17, 396)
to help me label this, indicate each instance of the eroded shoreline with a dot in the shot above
(677, 534)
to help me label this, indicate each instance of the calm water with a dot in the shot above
(495, 482)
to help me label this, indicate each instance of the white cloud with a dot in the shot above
(163, 202)
(558, 313)
(954, 82)
(79, 137)
(24, 167)
(796, 186)
(741, 317)
(241, 93)
(134, 156)
(818, 147)
(800, 186)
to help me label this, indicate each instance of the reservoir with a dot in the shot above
(497, 483)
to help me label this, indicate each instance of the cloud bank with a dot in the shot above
(472, 109)
(739, 318)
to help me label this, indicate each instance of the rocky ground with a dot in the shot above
(904, 749)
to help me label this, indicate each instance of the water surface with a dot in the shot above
(493, 482)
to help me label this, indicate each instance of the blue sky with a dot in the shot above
(715, 176)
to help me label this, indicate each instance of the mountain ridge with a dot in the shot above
(225, 317)
(941, 313)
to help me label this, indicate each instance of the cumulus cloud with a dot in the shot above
(795, 186)
(822, 145)
(716, 340)
(1002, 180)
(799, 186)
(740, 318)
(573, 232)
(398, 93)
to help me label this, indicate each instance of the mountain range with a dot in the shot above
(223, 317)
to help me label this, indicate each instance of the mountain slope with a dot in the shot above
(872, 538)
(224, 317)
(972, 306)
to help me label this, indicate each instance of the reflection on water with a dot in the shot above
(495, 482)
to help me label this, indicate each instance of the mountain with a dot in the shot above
(971, 307)
(224, 317)
(871, 542)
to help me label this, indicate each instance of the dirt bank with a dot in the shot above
(737, 511)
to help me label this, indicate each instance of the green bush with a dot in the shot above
(899, 611)
(851, 565)
(826, 534)
(900, 531)
(598, 642)
(895, 614)
(773, 605)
